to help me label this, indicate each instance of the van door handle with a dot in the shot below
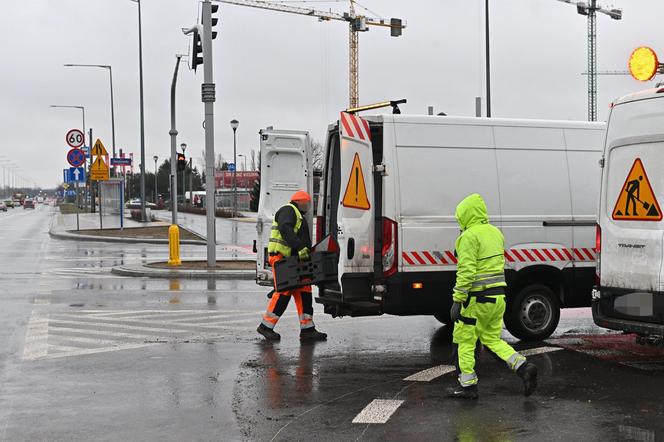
(351, 248)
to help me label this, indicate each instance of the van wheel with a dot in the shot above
(533, 314)
(443, 318)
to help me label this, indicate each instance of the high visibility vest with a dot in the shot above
(277, 242)
(481, 258)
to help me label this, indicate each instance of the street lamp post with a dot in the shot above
(183, 146)
(110, 75)
(140, 76)
(92, 197)
(155, 177)
(234, 126)
(244, 158)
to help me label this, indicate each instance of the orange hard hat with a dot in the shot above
(301, 195)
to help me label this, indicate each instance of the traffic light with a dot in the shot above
(215, 20)
(396, 27)
(182, 162)
(196, 49)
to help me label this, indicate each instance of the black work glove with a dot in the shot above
(455, 311)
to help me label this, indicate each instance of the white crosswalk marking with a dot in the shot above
(86, 332)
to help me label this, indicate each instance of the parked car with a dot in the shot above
(28, 204)
(9, 203)
(3, 207)
(136, 204)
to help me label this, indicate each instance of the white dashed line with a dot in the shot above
(430, 374)
(378, 411)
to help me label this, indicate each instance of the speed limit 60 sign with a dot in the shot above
(75, 138)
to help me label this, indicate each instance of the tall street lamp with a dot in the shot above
(140, 76)
(183, 146)
(155, 177)
(82, 109)
(234, 126)
(110, 76)
(244, 157)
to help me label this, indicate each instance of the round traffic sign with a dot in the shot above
(75, 138)
(76, 157)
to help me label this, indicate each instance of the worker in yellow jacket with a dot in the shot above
(479, 299)
(290, 236)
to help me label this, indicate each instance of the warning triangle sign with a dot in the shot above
(356, 189)
(637, 201)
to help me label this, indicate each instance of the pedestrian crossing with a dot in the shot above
(83, 332)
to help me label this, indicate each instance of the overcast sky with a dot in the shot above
(291, 71)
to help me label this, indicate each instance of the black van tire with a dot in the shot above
(443, 318)
(533, 314)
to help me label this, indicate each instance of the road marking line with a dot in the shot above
(56, 329)
(129, 323)
(378, 411)
(430, 374)
(79, 339)
(36, 337)
(120, 326)
(81, 352)
(539, 350)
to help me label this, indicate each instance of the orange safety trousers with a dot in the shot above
(279, 302)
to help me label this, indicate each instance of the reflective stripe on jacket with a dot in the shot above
(278, 243)
(480, 250)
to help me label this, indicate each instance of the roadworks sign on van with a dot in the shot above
(630, 285)
(389, 188)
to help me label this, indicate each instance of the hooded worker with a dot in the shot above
(290, 236)
(479, 299)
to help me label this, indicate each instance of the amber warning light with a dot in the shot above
(643, 63)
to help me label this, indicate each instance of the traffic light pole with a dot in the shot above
(174, 138)
(208, 98)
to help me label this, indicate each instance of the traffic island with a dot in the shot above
(224, 269)
(145, 234)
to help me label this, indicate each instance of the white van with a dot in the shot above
(630, 276)
(388, 194)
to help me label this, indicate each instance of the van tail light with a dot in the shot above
(598, 251)
(320, 223)
(390, 250)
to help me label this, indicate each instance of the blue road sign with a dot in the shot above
(120, 161)
(231, 167)
(76, 157)
(65, 175)
(76, 174)
(86, 151)
(70, 192)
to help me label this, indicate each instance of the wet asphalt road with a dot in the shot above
(86, 355)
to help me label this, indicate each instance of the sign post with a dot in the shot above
(99, 171)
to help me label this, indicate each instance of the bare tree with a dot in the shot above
(317, 155)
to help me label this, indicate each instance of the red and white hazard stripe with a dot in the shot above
(354, 127)
(446, 257)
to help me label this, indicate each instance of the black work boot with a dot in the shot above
(460, 392)
(268, 333)
(311, 334)
(528, 373)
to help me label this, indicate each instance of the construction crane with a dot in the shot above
(590, 10)
(357, 23)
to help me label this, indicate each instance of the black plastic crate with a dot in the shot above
(291, 273)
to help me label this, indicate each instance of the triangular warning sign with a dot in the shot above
(637, 201)
(356, 189)
(98, 148)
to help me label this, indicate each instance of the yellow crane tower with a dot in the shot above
(357, 23)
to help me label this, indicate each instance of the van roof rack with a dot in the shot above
(393, 103)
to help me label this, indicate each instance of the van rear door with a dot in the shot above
(356, 211)
(285, 168)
